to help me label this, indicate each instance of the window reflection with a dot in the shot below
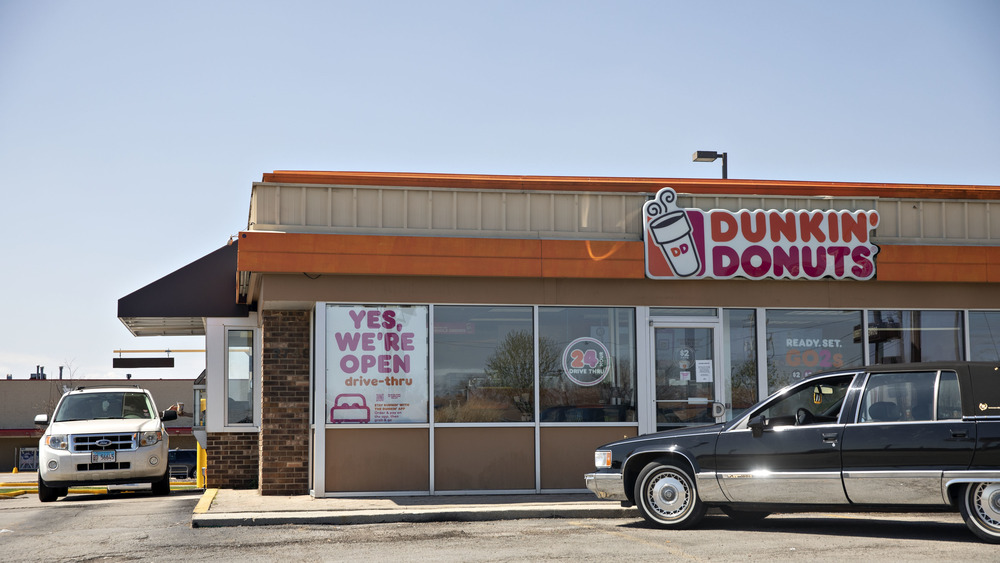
(801, 342)
(914, 336)
(984, 336)
(740, 328)
(587, 364)
(239, 377)
(484, 364)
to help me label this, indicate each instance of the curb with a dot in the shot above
(206, 501)
(340, 518)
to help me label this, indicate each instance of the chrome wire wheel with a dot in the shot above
(981, 510)
(667, 497)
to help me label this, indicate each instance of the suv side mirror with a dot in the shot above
(168, 415)
(757, 424)
(42, 419)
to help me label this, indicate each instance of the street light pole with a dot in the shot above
(711, 156)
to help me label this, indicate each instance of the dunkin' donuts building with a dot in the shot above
(386, 333)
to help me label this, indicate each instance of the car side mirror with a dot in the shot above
(757, 424)
(168, 415)
(42, 419)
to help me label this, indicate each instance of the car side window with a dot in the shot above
(899, 397)
(817, 402)
(949, 400)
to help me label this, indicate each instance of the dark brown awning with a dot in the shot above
(178, 303)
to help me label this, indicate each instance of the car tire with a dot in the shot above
(667, 498)
(745, 516)
(980, 507)
(47, 493)
(162, 487)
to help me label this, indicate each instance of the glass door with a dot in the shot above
(687, 382)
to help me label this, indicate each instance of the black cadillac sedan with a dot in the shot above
(887, 437)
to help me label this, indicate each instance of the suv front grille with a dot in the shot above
(89, 442)
(102, 466)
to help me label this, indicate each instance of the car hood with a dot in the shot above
(104, 426)
(675, 433)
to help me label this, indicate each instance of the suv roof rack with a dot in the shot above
(105, 387)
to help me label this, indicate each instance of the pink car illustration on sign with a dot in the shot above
(350, 407)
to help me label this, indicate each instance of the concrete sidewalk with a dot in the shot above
(227, 507)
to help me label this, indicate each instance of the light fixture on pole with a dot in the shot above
(710, 156)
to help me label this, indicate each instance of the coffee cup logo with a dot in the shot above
(671, 229)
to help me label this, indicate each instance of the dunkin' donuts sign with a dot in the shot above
(694, 244)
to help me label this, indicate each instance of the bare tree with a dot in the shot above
(511, 368)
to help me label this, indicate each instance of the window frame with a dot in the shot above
(254, 378)
(435, 376)
(217, 362)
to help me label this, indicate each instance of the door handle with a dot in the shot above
(959, 434)
(830, 438)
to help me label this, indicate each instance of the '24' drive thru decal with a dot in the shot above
(695, 244)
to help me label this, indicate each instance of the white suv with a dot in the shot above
(103, 436)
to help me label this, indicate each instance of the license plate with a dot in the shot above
(102, 457)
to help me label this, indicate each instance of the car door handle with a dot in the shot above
(959, 434)
(829, 437)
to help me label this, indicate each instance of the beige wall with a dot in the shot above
(484, 459)
(568, 453)
(369, 458)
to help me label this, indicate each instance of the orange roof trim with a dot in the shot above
(278, 253)
(632, 185)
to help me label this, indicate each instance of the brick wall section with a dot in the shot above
(284, 431)
(232, 460)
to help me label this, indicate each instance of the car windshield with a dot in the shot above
(112, 404)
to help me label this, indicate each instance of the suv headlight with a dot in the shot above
(150, 438)
(602, 459)
(57, 441)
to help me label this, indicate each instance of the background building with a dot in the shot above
(21, 400)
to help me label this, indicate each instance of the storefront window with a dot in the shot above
(587, 364)
(984, 336)
(376, 364)
(484, 364)
(239, 376)
(740, 328)
(914, 336)
(801, 342)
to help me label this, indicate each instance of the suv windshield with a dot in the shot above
(112, 404)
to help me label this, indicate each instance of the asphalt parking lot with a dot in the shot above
(89, 525)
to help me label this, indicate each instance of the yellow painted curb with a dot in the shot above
(206, 501)
(18, 489)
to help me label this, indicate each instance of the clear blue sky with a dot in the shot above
(130, 132)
